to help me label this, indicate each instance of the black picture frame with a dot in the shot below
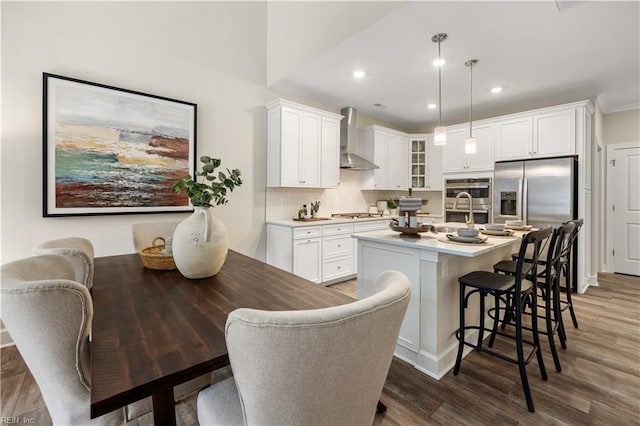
(108, 150)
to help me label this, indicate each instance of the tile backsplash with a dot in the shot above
(284, 203)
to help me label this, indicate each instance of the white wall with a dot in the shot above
(212, 54)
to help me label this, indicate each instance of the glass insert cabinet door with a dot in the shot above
(418, 163)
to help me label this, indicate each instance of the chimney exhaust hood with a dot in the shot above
(349, 160)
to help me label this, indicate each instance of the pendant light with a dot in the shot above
(470, 146)
(440, 132)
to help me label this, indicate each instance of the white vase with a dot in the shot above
(200, 244)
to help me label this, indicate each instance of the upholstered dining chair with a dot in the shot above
(145, 233)
(48, 315)
(323, 366)
(79, 251)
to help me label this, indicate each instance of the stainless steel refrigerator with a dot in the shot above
(539, 192)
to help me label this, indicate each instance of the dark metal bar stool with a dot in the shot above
(548, 284)
(521, 292)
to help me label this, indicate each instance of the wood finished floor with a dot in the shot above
(599, 384)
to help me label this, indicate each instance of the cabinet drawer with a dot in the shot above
(336, 246)
(342, 228)
(336, 268)
(307, 232)
(370, 226)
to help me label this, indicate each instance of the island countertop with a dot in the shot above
(436, 242)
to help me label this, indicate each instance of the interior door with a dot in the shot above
(626, 214)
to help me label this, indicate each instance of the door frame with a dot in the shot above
(609, 267)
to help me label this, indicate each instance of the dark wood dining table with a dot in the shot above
(153, 330)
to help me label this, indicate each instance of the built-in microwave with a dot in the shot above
(481, 193)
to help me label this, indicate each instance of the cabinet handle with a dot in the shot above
(339, 245)
(339, 267)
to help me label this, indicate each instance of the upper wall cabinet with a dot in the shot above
(389, 150)
(303, 146)
(454, 158)
(547, 133)
(426, 163)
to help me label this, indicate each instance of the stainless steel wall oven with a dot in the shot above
(481, 192)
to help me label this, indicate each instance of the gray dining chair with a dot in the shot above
(48, 315)
(79, 251)
(323, 366)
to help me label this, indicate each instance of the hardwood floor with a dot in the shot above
(599, 383)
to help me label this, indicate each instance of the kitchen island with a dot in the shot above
(427, 336)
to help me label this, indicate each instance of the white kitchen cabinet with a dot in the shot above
(514, 138)
(389, 150)
(306, 259)
(554, 133)
(426, 163)
(337, 251)
(296, 249)
(330, 147)
(547, 133)
(454, 158)
(302, 146)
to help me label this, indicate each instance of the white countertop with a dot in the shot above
(297, 223)
(334, 220)
(432, 242)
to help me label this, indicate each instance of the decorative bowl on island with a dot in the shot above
(467, 232)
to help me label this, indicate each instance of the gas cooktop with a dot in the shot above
(356, 215)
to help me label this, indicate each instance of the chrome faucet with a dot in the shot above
(469, 218)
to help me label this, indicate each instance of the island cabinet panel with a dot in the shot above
(373, 262)
(302, 146)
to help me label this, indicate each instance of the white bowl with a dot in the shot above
(467, 232)
(514, 222)
(494, 226)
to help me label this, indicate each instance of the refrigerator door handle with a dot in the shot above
(524, 199)
(519, 200)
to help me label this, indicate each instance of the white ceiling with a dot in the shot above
(542, 53)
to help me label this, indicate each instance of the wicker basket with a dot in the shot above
(153, 259)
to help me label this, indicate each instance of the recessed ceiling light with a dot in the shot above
(359, 74)
(439, 62)
(496, 90)
(432, 106)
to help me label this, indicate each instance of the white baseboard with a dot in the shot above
(5, 338)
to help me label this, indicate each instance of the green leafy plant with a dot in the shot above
(315, 206)
(213, 188)
(391, 204)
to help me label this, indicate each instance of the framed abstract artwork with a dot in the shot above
(113, 151)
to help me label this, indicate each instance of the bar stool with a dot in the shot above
(569, 263)
(568, 269)
(548, 284)
(521, 291)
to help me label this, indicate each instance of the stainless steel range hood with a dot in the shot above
(349, 160)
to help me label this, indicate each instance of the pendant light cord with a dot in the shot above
(439, 85)
(470, 99)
